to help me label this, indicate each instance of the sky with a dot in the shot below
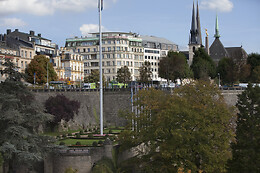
(239, 20)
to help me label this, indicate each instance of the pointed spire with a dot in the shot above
(199, 37)
(193, 31)
(216, 28)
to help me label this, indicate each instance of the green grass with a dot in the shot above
(82, 141)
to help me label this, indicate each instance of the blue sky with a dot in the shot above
(239, 20)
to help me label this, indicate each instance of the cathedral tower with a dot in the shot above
(195, 40)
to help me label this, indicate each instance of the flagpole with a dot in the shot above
(100, 69)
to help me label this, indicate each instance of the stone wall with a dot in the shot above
(114, 101)
(89, 106)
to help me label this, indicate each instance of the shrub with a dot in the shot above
(69, 134)
(100, 142)
(86, 130)
(90, 135)
(94, 144)
(62, 143)
(64, 135)
(77, 135)
(81, 132)
(78, 143)
(110, 131)
(106, 135)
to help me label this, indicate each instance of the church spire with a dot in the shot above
(194, 30)
(199, 38)
(216, 28)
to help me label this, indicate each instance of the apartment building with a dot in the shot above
(119, 49)
(154, 49)
(70, 65)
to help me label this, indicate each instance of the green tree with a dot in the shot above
(20, 119)
(145, 73)
(189, 129)
(123, 75)
(228, 70)
(174, 66)
(256, 75)
(38, 65)
(94, 78)
(62, 108)
(246, 148)
(203, 66)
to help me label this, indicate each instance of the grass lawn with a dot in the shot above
(82, 141)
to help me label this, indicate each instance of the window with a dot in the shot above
(103, 49)
(22, 53)
(88, 49)
(84, 50)
(118, 56)
(119, 63)
(108, 56)
(118, 48)
(108, 63)
(145, 57)
(109, 49)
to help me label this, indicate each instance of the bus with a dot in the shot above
(89, 86)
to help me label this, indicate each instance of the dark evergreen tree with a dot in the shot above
(145, 73)
(228, 71)
(203, 66)
(62, 108)
(20, 119)
(123, 75)
(246, 148)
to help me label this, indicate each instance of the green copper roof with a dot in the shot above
(217, 29)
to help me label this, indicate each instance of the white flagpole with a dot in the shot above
(100, 70)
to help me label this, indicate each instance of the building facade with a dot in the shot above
(154, 49)
(118, 49)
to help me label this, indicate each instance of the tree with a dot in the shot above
(94, 77)
(145, 73)
(62, 108)
(20, 119)
(189, 129)
(123, 75)
(246, 148)
(174, 66)
(38, 66)
(254, 61)
(228, 70)
(203, 66)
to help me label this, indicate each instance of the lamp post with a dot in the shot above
(47, 76)
(218, 80)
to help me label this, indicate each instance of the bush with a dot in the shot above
(110, 131)
(69, 134)
(78, 143)
(94, 144)
(77, 135)
(100, 142)
(106, 135)
(62, 143)
(81, 132)
(64, 135)
(86, 130)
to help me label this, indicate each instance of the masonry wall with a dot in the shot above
(89, 106)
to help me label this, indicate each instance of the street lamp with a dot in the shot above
(218, 80)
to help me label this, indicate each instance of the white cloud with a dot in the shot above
(217, 5)
(46, 7)
(89, 28)
(12, 22)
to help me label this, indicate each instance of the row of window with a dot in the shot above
(24, 54)
(110, 49)
(106, 42)
(152, 57)
(115, 56)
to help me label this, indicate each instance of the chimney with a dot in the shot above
(207, 44)
(31, 32)
(8, 31)
(16, 30)
(4, 37)
(39, 35)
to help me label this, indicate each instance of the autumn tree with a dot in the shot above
(145, 73)
(203, 66)
(123, 75)
(38, 66)
(246, 148)
(20, 118)
(189, 129)
(62, 108)
(174, 66)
